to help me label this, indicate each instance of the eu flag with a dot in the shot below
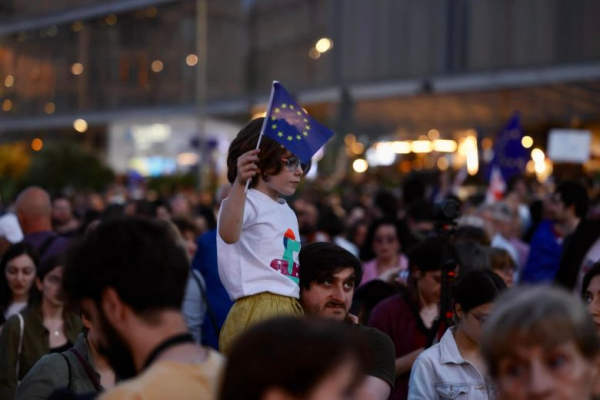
(288, 124)
(509, 154)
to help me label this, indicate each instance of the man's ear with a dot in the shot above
(458, 311)
(112, 306)
(416, 273)
(277, 394)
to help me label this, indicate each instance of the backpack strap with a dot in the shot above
(20, 347)
(209, 311)
(69, 367)
(46, 245)
(88, 370)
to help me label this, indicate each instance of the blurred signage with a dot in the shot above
(569, 145)
(145, 136)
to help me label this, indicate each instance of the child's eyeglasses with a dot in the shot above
(292, 163)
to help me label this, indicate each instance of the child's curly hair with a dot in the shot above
(270, 154)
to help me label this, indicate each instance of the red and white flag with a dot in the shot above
(497, 186)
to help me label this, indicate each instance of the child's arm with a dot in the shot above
(232, 213)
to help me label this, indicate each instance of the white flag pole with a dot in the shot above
(264, 125)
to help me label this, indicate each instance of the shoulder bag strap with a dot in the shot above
(20, 348)
(88, 370)
(211, 315)
(69, 367)
(46, 245)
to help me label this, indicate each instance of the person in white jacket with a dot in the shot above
(454, 368)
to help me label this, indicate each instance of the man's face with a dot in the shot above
(560, 210)
(61, 211)
(331, 298)
(559, 373)
(109, 342)
(307, 215)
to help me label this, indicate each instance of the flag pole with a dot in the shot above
(264, 125)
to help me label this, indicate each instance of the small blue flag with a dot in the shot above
(509, 154)
(289, 125)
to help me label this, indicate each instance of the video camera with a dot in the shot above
(444, 216)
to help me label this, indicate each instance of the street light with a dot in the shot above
(360, 165)
(80, 125)
(324, 45)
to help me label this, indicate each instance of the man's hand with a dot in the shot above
(352, 318)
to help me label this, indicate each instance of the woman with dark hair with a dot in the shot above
(454, 368)
(18, 267)
(590, 292)
(383, 243)
(503, 265)
(44, 326)
(408, 317)
(306, 359)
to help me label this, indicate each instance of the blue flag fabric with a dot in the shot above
(289, 125)
(509, 154)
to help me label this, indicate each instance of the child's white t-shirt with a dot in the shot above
(265, 258)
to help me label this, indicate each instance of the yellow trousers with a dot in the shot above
(250, 310)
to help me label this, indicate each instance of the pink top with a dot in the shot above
(370, 268)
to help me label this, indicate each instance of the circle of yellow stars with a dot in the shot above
(304, 131)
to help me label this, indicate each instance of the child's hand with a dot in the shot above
(246, 166)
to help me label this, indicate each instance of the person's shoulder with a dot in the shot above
(11, 323)
(588, 227)
(380, 343)
(208, 238)
(374, 336)
(50, 363)
(14, 324)
(120, 392)
(390, 303)
(429, 356)
(162, 376)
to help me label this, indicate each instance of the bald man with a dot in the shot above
(34, 211)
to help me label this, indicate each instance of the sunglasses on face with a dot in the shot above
(385, 239)
(292, 163)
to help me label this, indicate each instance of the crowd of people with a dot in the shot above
(269, 292)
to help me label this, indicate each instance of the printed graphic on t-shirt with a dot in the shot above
(287, 266)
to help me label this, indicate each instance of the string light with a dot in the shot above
(156, 66)
(80, 125)
(360, 165)
(191, 60)
(324, 45)
(7, 105)
(433, 134)
(77, 26)
(37, 144)
(49, 108)
(151, 12)
(111, 19)
(527, 141)
(77, 69)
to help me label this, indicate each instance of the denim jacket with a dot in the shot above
(441, 373)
